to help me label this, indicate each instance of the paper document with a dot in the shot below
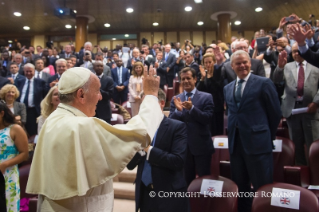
(221, 143)
(114, 117)
(278, 145)
(211, 187)
(285, 198)
(299, 110)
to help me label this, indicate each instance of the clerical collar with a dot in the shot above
(71, 109)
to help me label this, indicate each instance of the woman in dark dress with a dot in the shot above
(212, 82)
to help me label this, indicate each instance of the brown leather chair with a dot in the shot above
(120, 120)
(176, 87)
(261, 203)
(282, 129)
(200, 203)
(314, 165)
(284, 158)
(220, 161)
(113, 108)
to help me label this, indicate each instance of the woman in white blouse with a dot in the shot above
(135, 87)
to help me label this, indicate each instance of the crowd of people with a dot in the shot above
(254, 88)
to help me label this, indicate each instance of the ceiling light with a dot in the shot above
(74, 11)
(155, 24)
(237, 23)
(113, 38)
(26, 28)
(107, 25)
(9, 41)
(129, 10)
(60, 11)
(68, 26)
(200, 23)
(17, 14)
(259, 9)
(126, 35)
(188, 8)
(198, 1)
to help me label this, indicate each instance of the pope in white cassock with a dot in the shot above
(77, 155)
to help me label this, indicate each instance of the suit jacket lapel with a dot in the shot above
(196, 97)
(161, 131)
(294, 72)
(307, 71)
(248, 87)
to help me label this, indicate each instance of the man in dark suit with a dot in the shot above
(135, 58)
(161, 66)
(253, 117)
(87, 47)
(121, 78)
(194, 108)
(18, 60)
(31, 99)
(14, 73)
(170, 60)
(61, 67)
(106, 68)
(39, 74)
(160, 167)
(3, 81)
(103, 107)
(189, 62)
(257, 66)
(5, 63)
(67, 52)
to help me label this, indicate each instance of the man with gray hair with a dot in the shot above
(87, 47)
(61, 66)
(250, 138)
(32, 91)
(257, 66)
(87, 151)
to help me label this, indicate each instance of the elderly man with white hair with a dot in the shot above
(257, 66)
(77, 155)
(32, 91)
(87, 47)
(135, 58)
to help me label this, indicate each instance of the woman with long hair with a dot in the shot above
(13, 150)
(48, 105)
(212, 82)
(135, 87)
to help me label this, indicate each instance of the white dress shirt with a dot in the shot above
(243, 83)
(36, 73)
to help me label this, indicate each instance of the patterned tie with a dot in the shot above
(301, 80)
(38, 75)
(147, 170)
(238, 92)
(26, 98)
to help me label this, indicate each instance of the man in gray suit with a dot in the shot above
(39, 66)
(301, 90)
(257, 66)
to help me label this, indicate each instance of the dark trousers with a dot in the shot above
(170, 79)
(217, 124)
(31, 124)
(147, 204)
(2, 193)
(120, 97)
(196, 164)
(249, 169)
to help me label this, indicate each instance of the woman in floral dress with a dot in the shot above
(13, 150)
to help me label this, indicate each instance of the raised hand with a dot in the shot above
(298, 34)
(178, 103)
(282, 59)
(202, 72)
(150, 81)
(188, 104)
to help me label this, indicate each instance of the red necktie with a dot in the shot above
(301, 80)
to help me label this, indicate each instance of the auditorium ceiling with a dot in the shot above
(169, 14)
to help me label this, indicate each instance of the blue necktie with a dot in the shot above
(147, 170)
(166, 57)
(26, 98)
(238, 92)
(188, 95)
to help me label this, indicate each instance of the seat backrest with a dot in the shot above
(314, 163)
(23, 177)
(119, 120)
(219, 155)
(284, 158)
(201, 203)
(261, 202)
